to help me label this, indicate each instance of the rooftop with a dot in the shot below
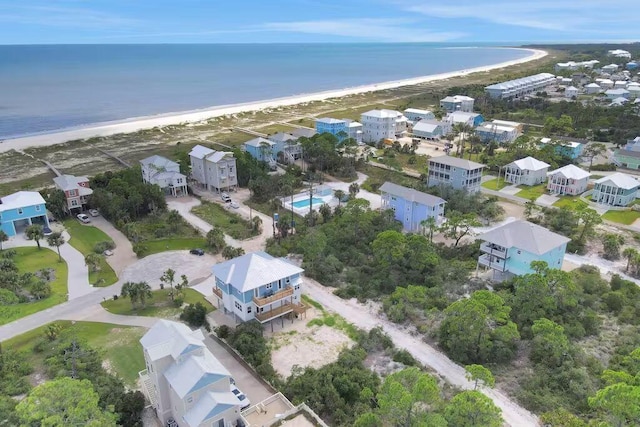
(529, 163)
(253, 270)
(200, 152)
(456, 162)
(457, 98)
(21, 199)
(526, 236)
(570, 172)
(158, 161)
(168, 338)
(411, 194)
(426, 125)
(70, 182)
(381, 114)
(329, 120)
(196, 372)
(257, 142)
(620, 180)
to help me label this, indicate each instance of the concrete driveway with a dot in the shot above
(150, 268)
(123, 256)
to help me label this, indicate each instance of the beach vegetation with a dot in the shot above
(92, 242)
(230, 223)
(159, 304)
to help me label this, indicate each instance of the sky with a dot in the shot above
(312, 21)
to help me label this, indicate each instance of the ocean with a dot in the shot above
(45, 88)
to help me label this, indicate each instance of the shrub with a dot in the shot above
(404, 357)
(223, 331)
(100, 247)
(196, 316)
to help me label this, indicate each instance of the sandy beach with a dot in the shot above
(148, 122)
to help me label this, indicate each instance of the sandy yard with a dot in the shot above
(302, 345)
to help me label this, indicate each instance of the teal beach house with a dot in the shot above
(20, 210)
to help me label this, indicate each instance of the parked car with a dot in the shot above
(94, 212)
(225, 198)
(172, 423)
(197, 251)
(108, 252)
(234, 205)
(244, 400)
(47, 231)
(83, 218)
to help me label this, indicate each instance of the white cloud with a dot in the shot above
(60, 16)
(562, 16)
(387, 30)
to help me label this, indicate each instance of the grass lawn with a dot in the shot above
(378, 176)
(30, 259)
(529, 193)
(84, 238)
(176, 244)
(119, 345)
(622, 217)
(495, 184)
(231, 223)
(159, 305)
(574, 203)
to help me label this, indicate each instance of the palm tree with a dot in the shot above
(92, 261)
(168, 277)
(339, 194)
(256, 224)
(354, 189)
(56, 239)
(35, 232)
(429, 224)
(630, 254)
(137, 292)
(3, 238)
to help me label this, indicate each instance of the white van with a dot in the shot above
(225, 197)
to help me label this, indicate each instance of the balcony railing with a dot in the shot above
(218, 292)
(490, 248)
(493, 262)
(287, 292)
(265, 316)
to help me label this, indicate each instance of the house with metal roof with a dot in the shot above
(617, 93)
(414, 115)
(527, 171)
(464, 118)
(20, 210)
(520, 87)
(411, 207)
(261, 149)
(76, 191)
(495, 132)
(568, 180)
(571, 91)
(184, 381)
(382, 124)
(592, 88)
(258, 286)
(455, 172)
(430, 129)
(511, 248)
(617, 189)
(213, 170)
(165, 174)
(457, 103)
(629, 155)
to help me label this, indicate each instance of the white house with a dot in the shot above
(494, 132)
(430, 129)
(462, 117)
(258, 286)
(213, 170)
(165, 174)
(415, 115)
(571, 91)
(605, 83)
(618, 189)
(634, 92)
(377, 125)
(184, 381)
(570, 180)
(520, 87)
(592, 88)
(620, 84)
(617, 93)
(527, 171)
(619, 53)
(610, 69)
(457, 103)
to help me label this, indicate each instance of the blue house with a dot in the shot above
(338, 128)
(258, 286)
(410, 206)
(20, 210)
(571, 149)
(511, 248)
(261, 149)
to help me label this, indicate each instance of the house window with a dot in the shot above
(190, 399)
(19, 211)
(37, 208)
(296, 287)
(269, 286)
(238, 306)
(249, 309)
(74, 202)
(519, 252)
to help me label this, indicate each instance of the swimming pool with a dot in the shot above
(304, 203)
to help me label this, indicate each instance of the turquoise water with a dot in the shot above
(44, 88)
(304, 203)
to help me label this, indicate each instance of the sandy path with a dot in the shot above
(136, 124)
(513, 414)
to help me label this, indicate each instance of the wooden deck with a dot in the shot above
(273, 298)
(217, 291)
(265, 316)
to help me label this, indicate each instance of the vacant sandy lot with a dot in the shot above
(302, 345)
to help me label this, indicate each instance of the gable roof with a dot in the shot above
(209, 406)
(382, 114)
(570, 172)
(427, 125)
(303, 132)
(21, 199)
(529, 163)
(282, 137)
(200, 152)
(620, 180)
(158, 162)
(329, 120)
(417, 111)
(170, 338)
(257, 142)
(456, 98)
(195, 372)
(526, 236)
(411, 194)
(70, 182)
(461, 116)
(218, 156)
(253, 270)
(456, 162)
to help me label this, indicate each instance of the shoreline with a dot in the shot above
(177, 118)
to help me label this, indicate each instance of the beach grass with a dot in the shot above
(159, 305)
(84, 238)
(495, 184)
(622, 217)
(29, 260)
(531, 192)
(231, 223)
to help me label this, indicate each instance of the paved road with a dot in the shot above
(123, 256)
(513, 414)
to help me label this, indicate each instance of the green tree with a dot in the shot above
(592, 151)
(3, 238)
(471, 408)
(589, 219)
(478, 329)
(429, 225)
(611, 244)
(339, 194)
(354, 189)
(561, 418)
(479, 374)
(230, 252)
(215, 240)
(56, 239)
(64, 402)
(196, 316)
(182, 285)
(168, 277)
(256, 224)
(35, 232)
(619, 403)
(93, 260)
(313, 246)
(459, 225)
(389, 248)
(40, 289)
(550, 345)
(530, 207)
(630, 254)
(137, 292)
(325, 211)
